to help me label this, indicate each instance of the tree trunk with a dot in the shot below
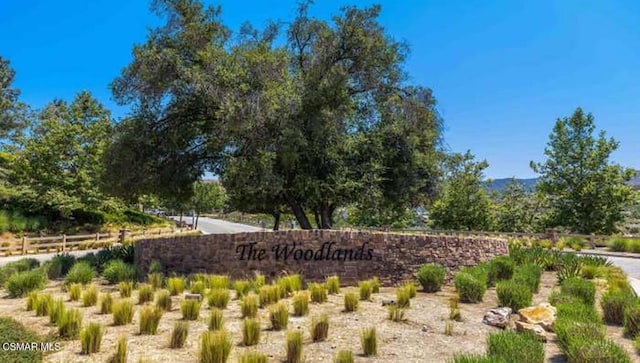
(276, 223)
(298, 212)
(180, 217)
(325, 217)
(197, 218)
(316, 215)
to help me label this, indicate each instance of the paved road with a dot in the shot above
(210, 226)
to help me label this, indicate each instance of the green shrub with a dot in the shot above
(215, 347)
(21, 265)
(431, 277)
(175, 285)
(515, 347)
(300, 303)
(90, 338)
(60, 265)
(179, 335)
(350, 302)
(249, 306)
(44, 302)
(69, 323)
(242, 288)
(149, 320)
(121, 351)
(479, 272)
(117, 271)
(75, 291)
(163, 300)
(569, 331)
(294, 347)
(250, 332)
(580, 288)
(504, 267)
(636, 343)
(578, 311)
(216, 319)
(365, 288)
(557, 297)
(613, 304)
(396, 313)
(318, 292)
(197, 287)
(190, 309)
(569, 268)
(80, 273)
(475, 358)
(596, 351)
(333, 285)
(106, 301)
(55, 310)
(253, 357)
(590, 272)
(90, 296)
(631, 319)
(529, 275)
(145, 293)
(125, 288)
(375, 285)
(633, 246)
(403, 297)
(218, 282)
(469, 288)
(369, 342)
(344, 356)
(320, 328)
(279, 315)
(218, 298)
(269, 294)
(156, 280)
(21, 283)
(513, 295)
(618, 244)
(122, 312)
(13, 331)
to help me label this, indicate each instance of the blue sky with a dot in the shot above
(502, 70)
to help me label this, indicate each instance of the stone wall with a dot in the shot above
(353, 255)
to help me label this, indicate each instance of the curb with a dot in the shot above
(635, 284)
(607, 254)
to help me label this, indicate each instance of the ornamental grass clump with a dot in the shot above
(300, 303)
(242, 288)
(90, 296)
(279, 315)
(369, 341)
(44, 303)
(249, 306)
(80, 273)
(253, 357)
(320, 328)
(613, 304)
(344, 356)
(32, 300)
(55, 310)
(197, 287)
(580, 288)
(175, 285)
(375, 285)
(365, 289)
(411, 289)
(106, 301)
(218, 298)
(122, 312)
(318, 292)
(250, 332)
(333, 285)
(403, 297)
(145, 293)
(125, 288)
(75, 291)
(216, 319)
(69, 323)
(269, 294)
(215, 347)
(395, 313)
(91, 338)
(190, 309)
(150, 319)
(163, 300)
(514, 346)
(121, 351)
(156, 280)
(294, 346)
(218, 282)
(179, 335)
(21, 283)
(631, 319)
(351, 301)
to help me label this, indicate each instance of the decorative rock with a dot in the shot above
(542, 314)
(425, 329)
(388, 302)
(193, 297)
(497, 317)
(534, 328)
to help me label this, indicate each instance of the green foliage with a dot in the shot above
(333, 284)
(300, 303)
(294, 347)
(595, 351)
(121, 351)
(528, 275)
(631, 319)
(218, 298)
(60, 265)
(190, 309)
(216, 319)
(150, 319)
(515, 347)
(585, 191)
(517, 210)
(557, 297)
(81, 273)
(125, 288)
(253, 357)
(21, 283)
(32, 300)
(215, 347)
(156, 280)
(43, 305)
(197, 287)
(431, 277)
(145, 293)
(504, 267)
(75, 291)
(365, 288)
(411, 288)
(475, 358)
(403, 297)
(13, 331)
(395, 313)
(249, 306)
(613, 304)
(69, 323)
(91, 338)
(122, 312)
(290, 283)
(369, 341)
(344, 356)
(250, 332)
(163, 300)
(21, 265)
(576, 310)
(590, 272)
(242, 288)
(318, 292)
(470, 289)
(514, 295)
(279, 315)
(569, 331)
(319, 328)
(179, 334)
(578, 287)
(269, 294)
(90, 296)
(106, 301)
(218, 282)
(375, 285)
(175, 285)
(351, 300)
(117, 271)
(568, 269)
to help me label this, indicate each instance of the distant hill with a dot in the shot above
(529, 184)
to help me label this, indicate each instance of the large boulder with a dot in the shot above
(498, 317)
(536, 329)
(542, 314)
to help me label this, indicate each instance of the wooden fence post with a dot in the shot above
(64, 242)
(24, 245)
(123, 235)
(552, 234)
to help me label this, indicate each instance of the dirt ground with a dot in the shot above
(420, 339)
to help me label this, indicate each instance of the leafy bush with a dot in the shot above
(163, 300)
(596, 351)
(249, 306)
(365, 288)
(60, 265)
(431, 277)
(106, 301)
(215, 347)
(613, 304)
(90, 296)
(117, 271)
(333, 284)
(569, 268)
(631, 319)
(250, 332)
(279, 315)
(145, 293)
(216, 319)
(125, 288)
(190, 309)
(580, 288)
(69, 323)
(75, 291)
(504, 267)
(528, 275)
(589, 272)
(633, 246)
(175, 285)
(218, 298)
(469, 288)
(514, 295)
(369, 342)
(618, 244)
(300, 303)
(320, 328)
(557, 297)
(350, 302)
(13, 331)
(122, 312)
(90, 338)
(80, 273)
(318, 292)
(21, 283)
(149, 320)
(179, 335)
(515, 347)
(294, 346)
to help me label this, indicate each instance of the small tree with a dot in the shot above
(516, 209)
(207, 196)
(464, 203)
(586, 193)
